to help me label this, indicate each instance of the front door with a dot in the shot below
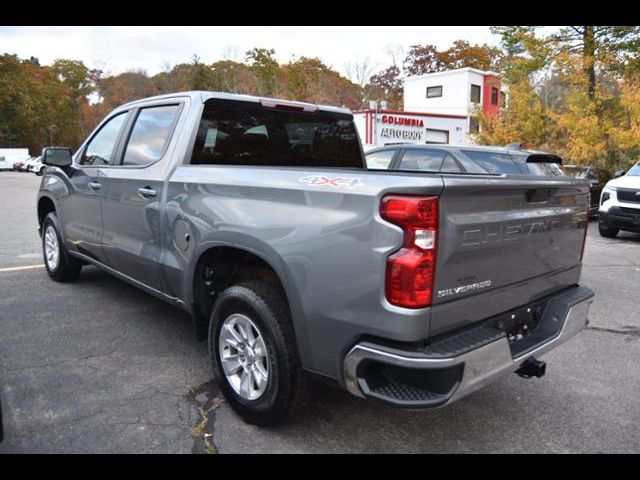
(82, 209)
(131, 209)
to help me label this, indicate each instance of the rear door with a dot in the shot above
(132, 206)
(498, 231)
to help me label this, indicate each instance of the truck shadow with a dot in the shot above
(158, 347)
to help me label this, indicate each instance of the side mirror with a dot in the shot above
(57, 156)
(619, 173)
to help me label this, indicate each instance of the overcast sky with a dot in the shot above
(118, 49)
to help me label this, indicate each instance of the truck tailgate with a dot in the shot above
(500, 232)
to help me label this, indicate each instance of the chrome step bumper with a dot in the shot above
(462, 363)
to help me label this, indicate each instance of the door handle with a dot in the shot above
(147, 192)
(94, 185)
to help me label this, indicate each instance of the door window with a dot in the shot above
(150, 134)
(100, 150)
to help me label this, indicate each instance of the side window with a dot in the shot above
(494, 162)
(475, 93)
(422, 160)
(494, 96)
(434, 92)
(449, 165)
(101, 147)
(380, 160)
(150, 134)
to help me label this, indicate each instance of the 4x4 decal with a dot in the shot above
(335, 182)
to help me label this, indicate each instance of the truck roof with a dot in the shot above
(203, 96)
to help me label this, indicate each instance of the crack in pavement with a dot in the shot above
(626, 330)
(205, 397)
(62, 362)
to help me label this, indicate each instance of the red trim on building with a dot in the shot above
(419, 114)
(371, 128)
(366, 129)
(489, 109)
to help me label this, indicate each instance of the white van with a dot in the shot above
(4, 165)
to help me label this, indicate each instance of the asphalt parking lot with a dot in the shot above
(97, 366)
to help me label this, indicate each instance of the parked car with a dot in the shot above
(37, 166)
(259, 218)
(597, 177)
(17, 166)
(620, 203)
(23, 165)
(28, 164)
(463, 159)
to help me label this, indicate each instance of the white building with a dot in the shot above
(438, 108)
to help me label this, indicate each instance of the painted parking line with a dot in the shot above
(24, 267)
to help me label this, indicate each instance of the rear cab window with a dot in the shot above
(234, 132)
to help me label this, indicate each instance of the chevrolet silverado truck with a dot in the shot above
(259, 218)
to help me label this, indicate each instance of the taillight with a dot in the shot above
(410, 272)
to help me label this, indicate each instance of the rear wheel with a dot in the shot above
(254, 354)
(607, 232)
(60, 266)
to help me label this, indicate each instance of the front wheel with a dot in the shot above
(607, 232)
(254, 354)
(60, 266)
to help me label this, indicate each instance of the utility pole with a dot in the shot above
(51, 129)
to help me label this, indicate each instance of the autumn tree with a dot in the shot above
(128, 86)
(233, 77)
(263, 63)
(386, 85)
(423, 59)
(462, 54)
(592, 42)
(524, 120)
(36, 107)
(309, 79)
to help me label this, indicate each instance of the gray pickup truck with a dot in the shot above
(259, 218)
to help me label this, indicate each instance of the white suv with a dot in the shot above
(620, 204)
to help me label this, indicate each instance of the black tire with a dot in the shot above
(288, 386)
(608, 232)
(68, 268)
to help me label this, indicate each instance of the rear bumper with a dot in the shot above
(621, 218)
(459, 364)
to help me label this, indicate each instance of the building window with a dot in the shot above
(436, 136)
(475, 93)
(434, 92)
(494, 96)
(503, 100)
(474, 125)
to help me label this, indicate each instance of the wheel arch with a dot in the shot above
(46, 205)
(236, 262)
